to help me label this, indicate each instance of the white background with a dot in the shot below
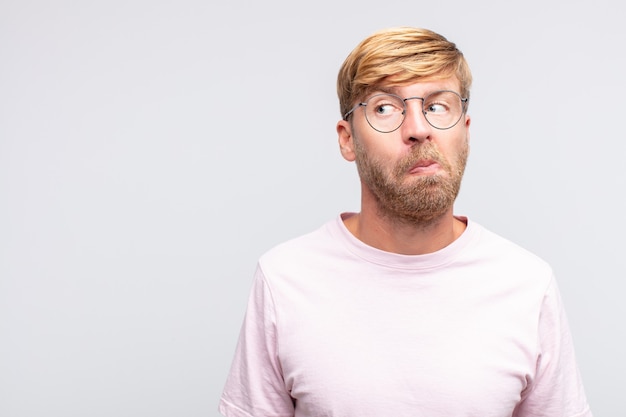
(150, 151)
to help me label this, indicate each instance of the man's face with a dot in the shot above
(414, 173)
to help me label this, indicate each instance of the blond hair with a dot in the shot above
(399, 56)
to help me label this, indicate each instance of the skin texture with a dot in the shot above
(409, 177)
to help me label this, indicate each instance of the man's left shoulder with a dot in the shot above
(503, 250)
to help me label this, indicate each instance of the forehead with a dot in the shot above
(419, 87)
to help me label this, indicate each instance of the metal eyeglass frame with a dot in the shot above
(464, 101)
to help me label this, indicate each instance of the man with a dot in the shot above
(404, 309)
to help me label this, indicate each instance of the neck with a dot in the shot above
(403, 237)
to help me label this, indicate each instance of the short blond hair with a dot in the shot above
(399, 56)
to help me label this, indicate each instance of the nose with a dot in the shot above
(415, 127)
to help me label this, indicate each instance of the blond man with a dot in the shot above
(404, 309)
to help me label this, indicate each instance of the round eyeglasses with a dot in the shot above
(386, 112)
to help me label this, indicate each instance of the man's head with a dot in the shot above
(399, 56)
(403, 94)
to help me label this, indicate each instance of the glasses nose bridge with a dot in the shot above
(404, 100)
(421, 108)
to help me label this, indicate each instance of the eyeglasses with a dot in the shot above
(386, 112)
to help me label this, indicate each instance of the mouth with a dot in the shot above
(425, 167)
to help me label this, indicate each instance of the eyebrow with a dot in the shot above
(394, 90)
(385, 90)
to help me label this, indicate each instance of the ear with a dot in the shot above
(346, 141)
(468, 121)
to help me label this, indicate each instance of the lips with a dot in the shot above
(423, 166)
(422, 160)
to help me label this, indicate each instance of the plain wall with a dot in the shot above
(150, 151)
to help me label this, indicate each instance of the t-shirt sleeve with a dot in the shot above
(556, 389)
(255, 386)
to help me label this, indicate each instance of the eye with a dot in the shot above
(436, 107)
(384, 105)
(383, 109)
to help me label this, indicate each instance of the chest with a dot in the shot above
(407, 352)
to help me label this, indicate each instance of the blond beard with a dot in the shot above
(420, 201)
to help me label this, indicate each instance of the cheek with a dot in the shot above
(373, 163)
(460, 156)
(383, 149)
(454, 147)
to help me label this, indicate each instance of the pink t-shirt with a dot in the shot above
(337, 328)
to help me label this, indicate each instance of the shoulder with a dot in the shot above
(505, 246)
(505, 255)
(311, 248)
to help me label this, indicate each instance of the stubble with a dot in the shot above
(418, 200)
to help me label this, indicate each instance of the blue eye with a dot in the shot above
(436, 108)
(383, 109)
(383, 105)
